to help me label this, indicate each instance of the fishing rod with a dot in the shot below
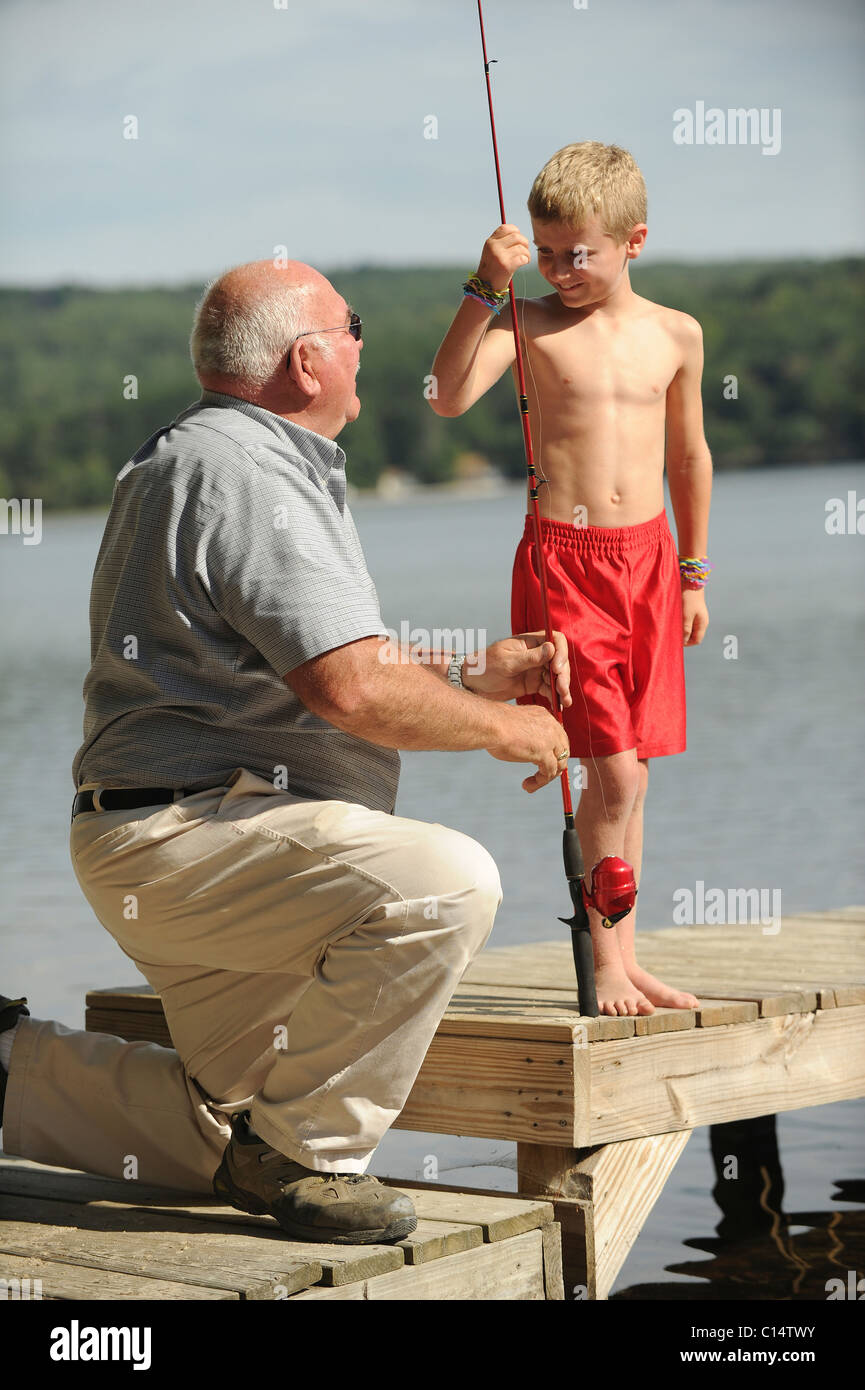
(611, 891)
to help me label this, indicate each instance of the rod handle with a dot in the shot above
(572, 854)
(584, 960)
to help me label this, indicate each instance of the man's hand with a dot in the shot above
(695, 617)
(521, 666)
(532, 735)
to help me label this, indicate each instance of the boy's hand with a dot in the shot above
(504, 252)
(695, 616)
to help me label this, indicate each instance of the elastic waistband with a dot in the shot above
(599, 537)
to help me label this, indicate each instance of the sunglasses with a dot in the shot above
(354, 327)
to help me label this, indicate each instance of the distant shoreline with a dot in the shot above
(473, 490)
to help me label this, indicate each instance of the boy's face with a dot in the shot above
(583, 264)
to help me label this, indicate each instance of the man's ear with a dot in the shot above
(301, 369)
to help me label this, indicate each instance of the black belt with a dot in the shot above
(122, 799)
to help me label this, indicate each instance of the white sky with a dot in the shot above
(304, 126)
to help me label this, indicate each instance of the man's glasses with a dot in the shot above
(354, 327)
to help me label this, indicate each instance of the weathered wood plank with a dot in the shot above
(722, 1074)
(235, 1278)
(433, 1238)
(510, 1270)
(439, 1237)
(464, 1016)
(64, 1281)
(848, 995)
(554, 1287)
(145, 998)
(615, 1185)
(771, 1001)
(342, 1293)
(500, 1088)
(129, 1025)
(106, 1230)
(499, 1216)
(716, 1011)
(546, 1023)
(23, 1177)
(664, 1021)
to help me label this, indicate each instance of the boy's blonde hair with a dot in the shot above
(589, 178)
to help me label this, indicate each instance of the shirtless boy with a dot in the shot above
(608, 374)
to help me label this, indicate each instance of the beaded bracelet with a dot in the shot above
(694, 570)
(476, 288)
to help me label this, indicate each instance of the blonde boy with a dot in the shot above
(613, 383)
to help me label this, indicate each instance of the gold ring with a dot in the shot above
(562, 757)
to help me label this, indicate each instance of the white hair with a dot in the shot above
(245, 339)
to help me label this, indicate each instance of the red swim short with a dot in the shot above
(615, 592)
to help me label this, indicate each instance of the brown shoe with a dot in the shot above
(332, 1208)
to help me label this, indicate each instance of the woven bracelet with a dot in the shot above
(476, 288)
(695, 570)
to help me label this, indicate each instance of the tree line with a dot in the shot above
(90, 373)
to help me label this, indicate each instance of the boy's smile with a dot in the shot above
(584, 264)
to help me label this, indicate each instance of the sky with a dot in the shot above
(264, 124)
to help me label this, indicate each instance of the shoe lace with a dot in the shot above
(275, 1159)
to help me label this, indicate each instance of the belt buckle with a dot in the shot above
(97, 805)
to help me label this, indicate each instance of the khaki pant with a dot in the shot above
(304, 952)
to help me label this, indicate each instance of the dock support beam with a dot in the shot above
(602, 1197)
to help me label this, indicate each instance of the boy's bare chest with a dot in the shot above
(582, 367)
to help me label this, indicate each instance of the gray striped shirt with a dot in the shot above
(229, 558)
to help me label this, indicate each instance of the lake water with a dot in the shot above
(769, 794)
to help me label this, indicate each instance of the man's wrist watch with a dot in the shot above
(455, 671)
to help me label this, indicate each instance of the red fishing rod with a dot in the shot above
(611, 891)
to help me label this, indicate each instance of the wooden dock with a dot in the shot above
(600, 1109)
(89, 1237)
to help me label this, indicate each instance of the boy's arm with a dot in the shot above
(689, 468)
(478, 348)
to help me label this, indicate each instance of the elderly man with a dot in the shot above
(233, 826)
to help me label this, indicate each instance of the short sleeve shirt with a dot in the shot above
(229, 558)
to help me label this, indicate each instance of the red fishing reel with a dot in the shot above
(611, 890)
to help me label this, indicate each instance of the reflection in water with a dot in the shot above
(760, 1251)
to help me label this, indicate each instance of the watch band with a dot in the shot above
(455, 671)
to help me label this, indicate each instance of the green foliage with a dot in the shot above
(788, 332)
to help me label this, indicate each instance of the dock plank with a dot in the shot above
(63, 1280)
(499, 1217)
(437, 1238)
(107, 1230)
(511, 1270)
(761, 1068)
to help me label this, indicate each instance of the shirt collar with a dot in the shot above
(324, 454)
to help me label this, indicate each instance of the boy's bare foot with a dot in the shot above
(617, 994)
(664, 995)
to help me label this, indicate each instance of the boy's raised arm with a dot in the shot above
(478, 348)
